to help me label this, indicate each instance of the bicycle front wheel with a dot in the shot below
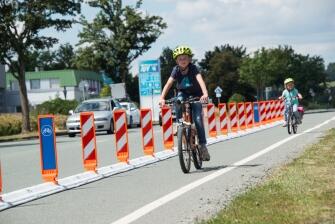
(289, 125)
(184, 151)
(294, 124)
(196, 154)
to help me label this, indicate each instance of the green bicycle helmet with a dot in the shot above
(288, 80)
(180, 50)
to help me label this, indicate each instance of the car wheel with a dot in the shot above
(71, 135)
(111, 128)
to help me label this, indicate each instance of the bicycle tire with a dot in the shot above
(196, 154)
(289, 127)
(294, 124)
(183, 150)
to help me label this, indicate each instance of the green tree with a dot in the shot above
(20, 26)
(117, 36)
(270, 67)
(220, 68)
(309, 73)
(167, 63)
(64, 57)
(239, 52)
(331, 71)
(254, 71)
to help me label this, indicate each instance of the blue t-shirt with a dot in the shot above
(291, 96)
(187, 83)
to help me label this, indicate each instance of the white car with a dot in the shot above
(133, 113)
(103, 115)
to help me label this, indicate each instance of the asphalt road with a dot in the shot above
(182, 198)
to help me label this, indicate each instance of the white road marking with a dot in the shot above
(175, 194)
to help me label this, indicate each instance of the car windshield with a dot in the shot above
(93, 106)
(125, 106)
(133, 106)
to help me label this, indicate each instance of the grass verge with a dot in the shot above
(300, 192)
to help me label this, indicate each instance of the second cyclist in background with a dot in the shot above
(189, 83)
(291, 96)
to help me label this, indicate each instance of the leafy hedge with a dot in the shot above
(10, 124)
(237, 98)
(56, 106)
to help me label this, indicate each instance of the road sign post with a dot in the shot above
(46, 131)
(218, 92)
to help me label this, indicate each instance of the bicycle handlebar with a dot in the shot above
(188, 100)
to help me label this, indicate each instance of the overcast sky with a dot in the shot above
(306, 25)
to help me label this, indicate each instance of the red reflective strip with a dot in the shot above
(124, 149)
(88, 137)
(84, 118)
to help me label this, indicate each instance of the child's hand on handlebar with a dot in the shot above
(204, 98)
(161, 102)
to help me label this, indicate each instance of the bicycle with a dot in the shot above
(292, 121)
(188, 142)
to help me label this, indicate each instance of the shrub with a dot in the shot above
(10, 124)
(56, 106)
(236, 98)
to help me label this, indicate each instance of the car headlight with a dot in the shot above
(101, 119)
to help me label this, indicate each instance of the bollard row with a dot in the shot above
(245, 115)
(232, 118)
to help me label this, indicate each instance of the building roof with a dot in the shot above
(67, 77)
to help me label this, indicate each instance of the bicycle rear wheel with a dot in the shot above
(184, 151)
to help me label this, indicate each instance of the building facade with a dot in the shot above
(47, 85)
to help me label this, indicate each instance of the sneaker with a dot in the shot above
(285, 124)
(205, 154)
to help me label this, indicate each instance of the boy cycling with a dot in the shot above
(291, 96)
(189, 83)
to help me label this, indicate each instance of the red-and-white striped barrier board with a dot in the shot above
(147, 131)
(241, 115)
(262, 112)
(211, 120)
(223, 118)
(233, 117)
(88, 140)
(268, 111)
(273, 111)
(167, 126)
(282, 109)
(249, 114)
(121, 136)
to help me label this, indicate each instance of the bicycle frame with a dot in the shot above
(187, 138)
(187, 123)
